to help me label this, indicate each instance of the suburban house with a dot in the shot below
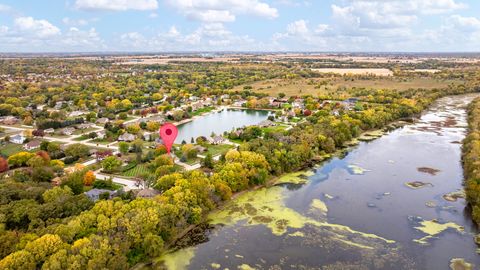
(76, 113)
(84, 126)
(58, 105)
(102, 121)
(147, 136)
(266, 123)
(349, 103)
(147, 193)
(126, 137)
(94, 194)
(216, 140)
(18, 139)
(49, 131)
(239, 103)
(68, 131)
(10, 120)
(101, 134)
(197, 105)
(31, 145)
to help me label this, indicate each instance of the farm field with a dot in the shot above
(356, 71)
(318, 86)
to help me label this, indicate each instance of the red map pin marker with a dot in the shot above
(168, 133)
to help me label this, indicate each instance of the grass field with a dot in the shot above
(10, 149)
(82, 138)
(278, 128)
(83, 131)
(316, 86)
(362, 71)
(202, 110)
(218, 149)
(136, 171)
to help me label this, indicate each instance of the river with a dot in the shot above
(354, 211)
(219, 122)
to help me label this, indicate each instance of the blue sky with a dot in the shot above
(239, 25)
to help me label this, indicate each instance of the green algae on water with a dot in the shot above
(417, 184)
(297, 234)
(318, 204)
(460, 264)
(272, 212)
(215, 265)
(245, 267)
(432, 228)
(294, 178)
(178, 260)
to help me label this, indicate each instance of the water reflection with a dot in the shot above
(219, 122)
(369, 218)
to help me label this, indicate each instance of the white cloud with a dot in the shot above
(212, 16)
(207, 37)
(463, 24)
(75, 38)
(116, 5)
(76, 22)
(29, 34)
(37, 28)
(298, 28)
(456, 32)
(134, 40)
(222, 10)
(5, 8)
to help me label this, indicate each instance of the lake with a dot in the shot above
(353, 211)
(219, 122)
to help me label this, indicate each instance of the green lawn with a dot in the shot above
(100, 141)
(218, 149)
(136, 171)
(202, 110)
(10, 149)
(277, 128)
(190, 161)
(83, 131)
(81, 138)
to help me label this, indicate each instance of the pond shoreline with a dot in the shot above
(272, 181)
(389, 127)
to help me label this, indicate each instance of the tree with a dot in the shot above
(123, 116)
(3, 165)
(153, 126)
(178, 115)
(208, 161)
(189, 151)
(92, 135)
(123, 147)
(167, 181)
(77, 150)
(42, 174)
(20, 159)
(38, 133)
(88, 178)
(19, 260)
(56, 193)
(74, 181)
(44, 246)
(36, 161)
(111, 164)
